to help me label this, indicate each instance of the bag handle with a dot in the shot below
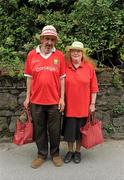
(28, 114)
(90, 120)
(91, 117)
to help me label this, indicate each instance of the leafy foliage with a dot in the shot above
(97, 23)
(11, 62)
(118, 109)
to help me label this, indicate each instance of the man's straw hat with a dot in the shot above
(49, 30)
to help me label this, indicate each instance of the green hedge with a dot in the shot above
(97, 23)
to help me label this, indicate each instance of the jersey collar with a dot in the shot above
(39, 51)
(44, 56)
(72, 67)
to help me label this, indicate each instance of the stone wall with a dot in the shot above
(12, 94)
(110, 103)
(109, 106)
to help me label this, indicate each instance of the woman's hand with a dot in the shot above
(92, 107)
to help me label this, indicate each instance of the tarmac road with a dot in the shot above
(104, 162)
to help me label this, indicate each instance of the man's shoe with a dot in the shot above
(68, 157)
(36, 163)
(57, 161)
(77, 157)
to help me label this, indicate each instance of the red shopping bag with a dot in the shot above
(24, 131)
(92, 132)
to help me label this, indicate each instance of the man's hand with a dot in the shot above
(26, 103)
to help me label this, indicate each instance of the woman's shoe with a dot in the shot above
(68, 157)
(77, 157)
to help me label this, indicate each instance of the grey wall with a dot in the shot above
(109, 106)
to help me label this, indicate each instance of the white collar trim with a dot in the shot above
(44, 56)
(39, 51)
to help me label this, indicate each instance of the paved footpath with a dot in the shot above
(104, 162)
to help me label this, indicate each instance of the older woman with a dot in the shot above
(81, 91)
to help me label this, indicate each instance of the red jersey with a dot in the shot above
(80, 83)
(46, 74)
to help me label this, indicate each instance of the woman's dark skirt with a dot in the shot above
(71, 128)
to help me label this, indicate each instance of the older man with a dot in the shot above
(45, 72)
